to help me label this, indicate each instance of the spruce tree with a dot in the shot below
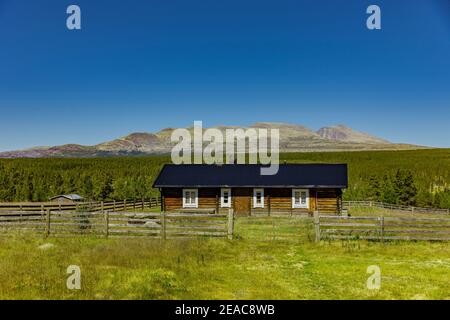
(374, 192)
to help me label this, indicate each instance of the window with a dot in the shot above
(190, 198)
(258, 198)
(300, 198)
(225, 198)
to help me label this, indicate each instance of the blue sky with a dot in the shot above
(147, 65)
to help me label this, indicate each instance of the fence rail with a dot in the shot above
(382, 228)
(118, 224)
(113, 205)
(382, 205)
(108, 223)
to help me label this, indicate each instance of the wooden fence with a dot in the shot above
(381, 228)
(118, 224)
(113, 205)
(382, 205)
(108, 223)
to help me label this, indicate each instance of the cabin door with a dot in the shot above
(242, 199)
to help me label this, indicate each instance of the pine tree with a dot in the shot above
(409, 189)
(405, 188)
(388, 192)
(374, 192)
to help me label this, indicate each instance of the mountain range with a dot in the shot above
(293, 138)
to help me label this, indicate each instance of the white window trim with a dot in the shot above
(190, 205)
(222, 203)
(300, 205)
(255, 204)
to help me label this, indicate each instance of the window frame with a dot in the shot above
(300, 205)
(190, 205)
(255, 192)
(222, 203)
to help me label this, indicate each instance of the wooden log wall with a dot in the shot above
(275, 200)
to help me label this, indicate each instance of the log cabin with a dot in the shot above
(296, 188)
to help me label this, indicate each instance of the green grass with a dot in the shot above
(146, 209)
(372, 211)
(294, 229)
(221, 269)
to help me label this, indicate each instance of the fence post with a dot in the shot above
(48, 223)
(106, 224)
(114, 205)
(143, 204)
(230, 230)
(124, 204)
(217, 203)
(163, 225)
(382, 227)
(344, 213)
(317, 225)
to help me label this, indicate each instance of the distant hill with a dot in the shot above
(293, 138)
(345, 134)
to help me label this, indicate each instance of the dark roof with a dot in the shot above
(248, 175)
(68, 196)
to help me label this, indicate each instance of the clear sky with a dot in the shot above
(147, 65)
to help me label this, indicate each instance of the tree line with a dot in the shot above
(96, 179)
(412, 177)
(399, 188)
(419, 177)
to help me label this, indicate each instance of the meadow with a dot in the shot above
(201, 268)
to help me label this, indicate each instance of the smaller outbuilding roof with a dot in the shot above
(309, 175)
(74, 197)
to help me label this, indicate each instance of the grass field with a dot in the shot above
(221, 269)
